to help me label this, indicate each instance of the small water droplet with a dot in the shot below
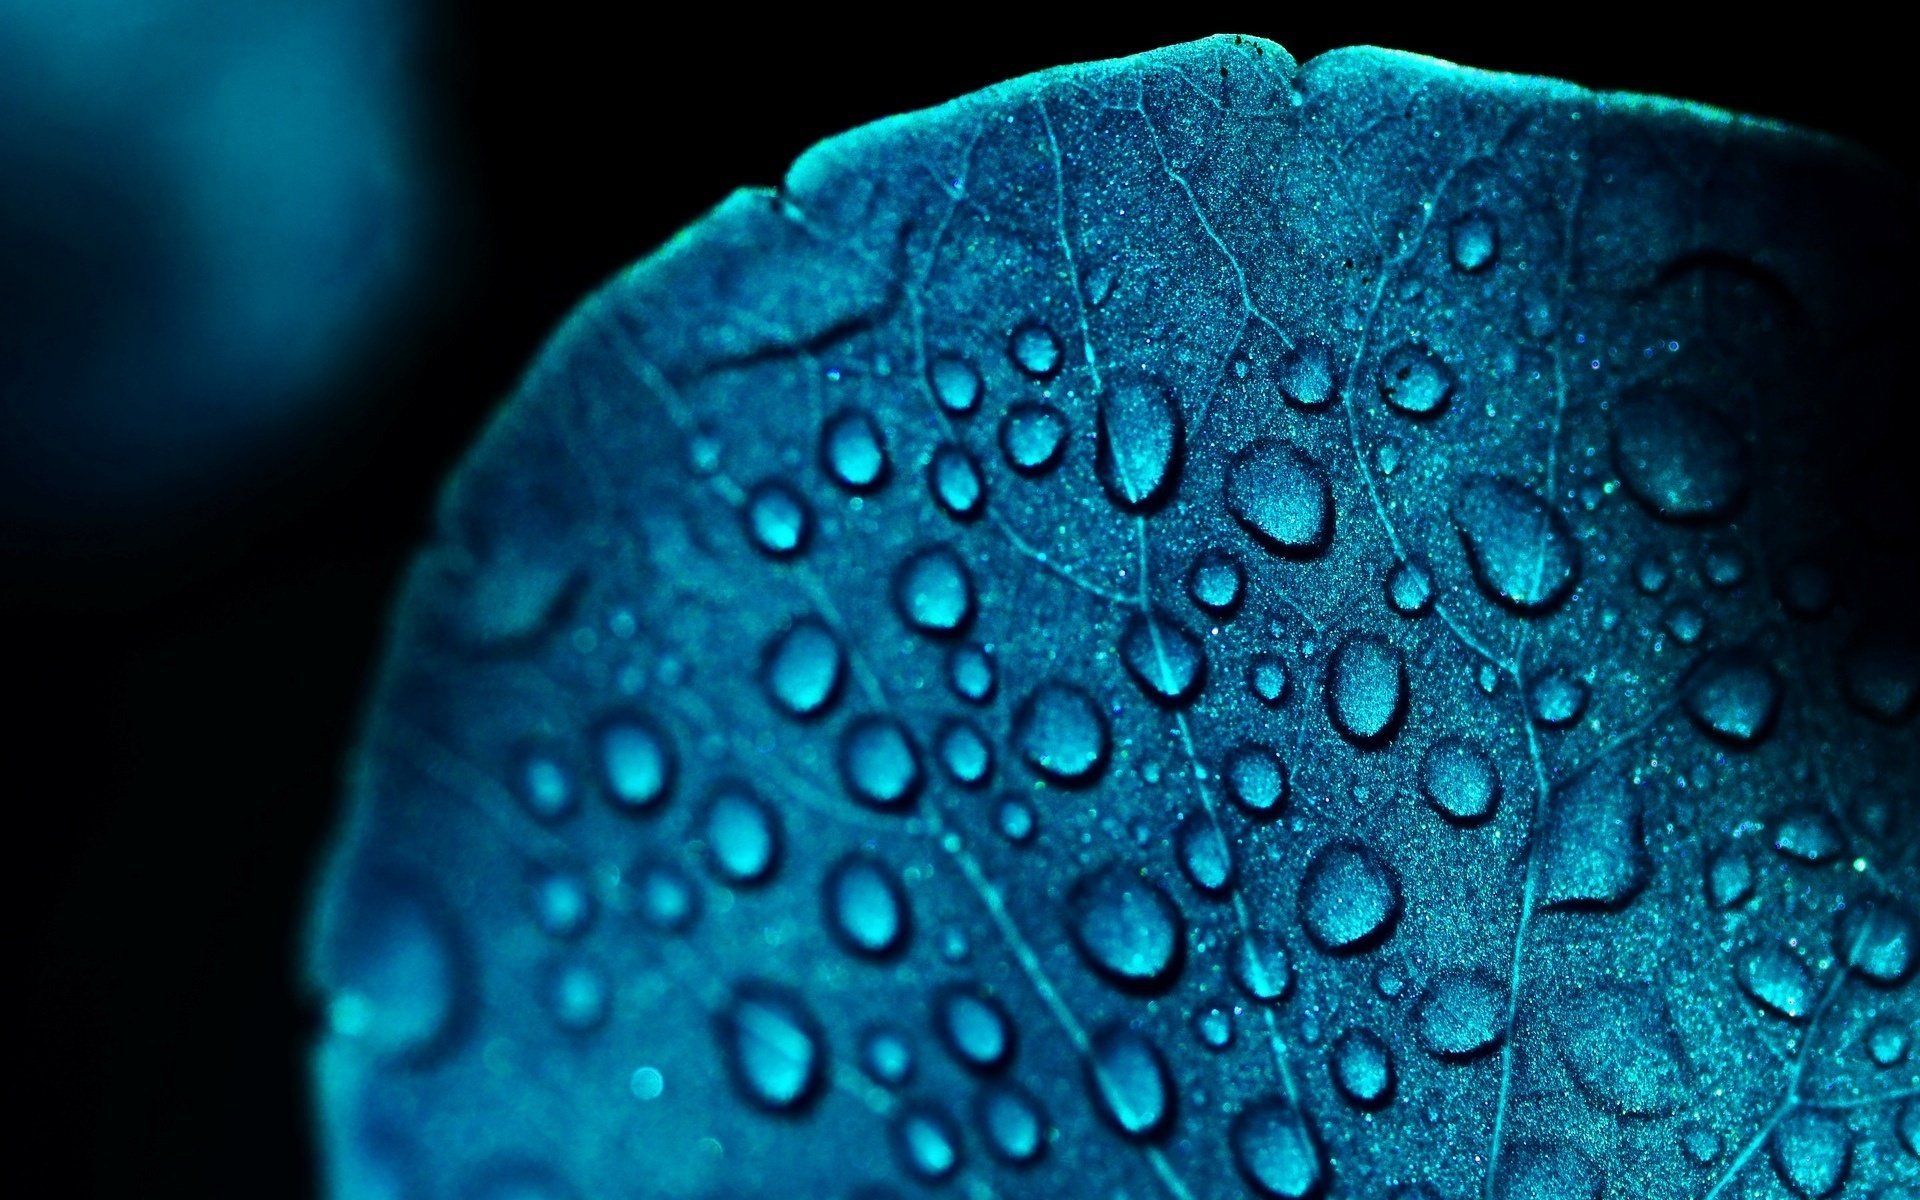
(1686, 621)
(1776, 979)
(1349, 898)
(1204, 854)
(1267, 679)
(668, 900)
(1129, 1082)
(971, 673)
(1729, 878)
(1415, 382)
(925, 1141)
(1812, 1152)
(1257, 780)
(866, 907)
(1033, 438)
(562, 905)
(1556, 698)
(956, 385)
(1362, 1068)
(802, 668)
(1215, 581)
(886, 1056)
(1167, 662)
(778, 519)
(1410, 588)
(974, 1027)
(1213, 1024)
(636, 762)
(1307, 376)
(1061, 734)
(956, 483)
(1521, 551)
(1138, 458)
(1126, 927)
(878, 763)
(1366, 690)
(1651, 574)
(933, 592)
(1276, 1151)
(1473, 242)
(1282, 497)
(1593, 853)
(579, 997)
(853, 451)
(1886, 1042)
(1679, 458)
(1011, 1123)
(1015, 820)
(772, 1047)
(1035, 350)
(1460, 1016)
(1459, 780)
(742, 836)
(1808, 836)
(545, 787)
(1261, 967)
(1877, 940)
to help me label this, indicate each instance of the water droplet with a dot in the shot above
(803, 667)
(545, 787)
(1011, 1123)
(1204, 854)
(1415, 381)
(1556, 698)
(1282, 497)
(1138, 458)
(1651, 574)
(1685, 621)
(1812, 1152)
(1126, 927)
(1349, 898)
(956, 385)
(1307, 376)
(1061, 734)
(1807, 836)
(974, 1027)
(1213, 1024)
(965, 754)
(1257, 780)
(926, 1141)
(1877, 940)
(887, 1056)
(1035, 349)
(1033, 437)
(1261, 968)
(1410, 588)
(778, 519)
(1215, 581)
(646, 1083)
(971, 674)
(1015, 820)
(636, 762)
(772, 1048)
(1776, 979)
(1521, 551)
(1166, 661)
(1734, 697)
(1473, 242)
(562, 905)
(1880, 671)
(1729, 878)
(1723, 564)
(1129, 1082)
(955, 481)
(1461, 1015)
(1366, 690)
(579, 996)
(667, 897)
(933, 592)
(1886, 1042)
(866, 907)
(1593, 852)
(1700, 1143)
(853, 451)
(1621, 1049)
(742, 836)
(1459, 779)
(1267, 679)
(1680, 459)
(879, 764)
(1276, 1151)
(393, 972)
(1362, 1068)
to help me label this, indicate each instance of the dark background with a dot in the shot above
(180, 696)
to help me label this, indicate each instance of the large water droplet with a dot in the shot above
(803, 667)
(1521, 551)
(1463, 1014)
(1877, 940)
(1204, 854)
(742, 836)
(1061, 734)
(394, 974)
(1415, 381)
(1812, 1152)
(1139, 452)
(1126, 927)
(1035, 349)
(1679, 458)
(1033, 437)
(1776, 979)
(866, 907)
(955, 481)
(1166, 661)
(1366, 690)
(1621, 1048)
(1473, 242)
(1129, 1082)
(1012, 1123)
(1349, 898)
(853, 451)
(1257, 781)
(636, 762)
(956, 385)
(1362, 1068)
(933, 591)
(1593, 852)
(778, 519)
(1734, 697)
(925, 1141)
(1276, 1151)
(1282, 497)
(1459, 779)
(772, 1048)
(879, 764)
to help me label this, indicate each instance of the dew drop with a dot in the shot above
(1680, 459)
(878, 763)
(1276, 1151)
(965, 754)
(1415, 382)
(778, 520)
(1812, 1152)
(1621, 1049)
(956, 385)
(1167, 662)
(1033, 437)
(866, 907)
(1776, 979)
(1215, 581)
(1729, 878)
(1349, 898)
(1204, 854)
(772, 1048)
(852, 450)
(1307, 376)
(545, 787)
(1880, 672)
(925, 1141)
(971, 673)
(1015, 820)
(1366, 690)
(1261, 968)
(1267, 679)
(1126, 928)
(1651, 574)
(1886, 1042)
(1460, 1016)
(578, 997)
(636, 762)
(1362, 1068)
(1593, 852)
(1723, 565)
(1282, 497)
(1459, 780)
(933, 592)
(1473, 242)
(393, 971)
(974, 1028)
(1061, 734)
(1809, 837)
(886, 1056)
(1556, 698)
(1410, 588)
(667, 898)
(1877, 941)
(1035, 350)
(1011, 1123)
(802, 668)
(1521, 551)
(1213, 1024)
(1257, 781)
(1129, 1082)
(955, 481)
(1734, 697)
(1138, 459)
(1685, 621)
(562, 905)
(742, 836)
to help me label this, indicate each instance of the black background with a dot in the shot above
(180, 698)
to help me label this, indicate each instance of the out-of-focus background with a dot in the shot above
(265, 268)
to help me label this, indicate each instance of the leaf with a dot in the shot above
(1189, 626)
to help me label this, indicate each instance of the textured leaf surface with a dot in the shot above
(1189, 626)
